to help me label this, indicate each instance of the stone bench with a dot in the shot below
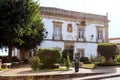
(7, 65)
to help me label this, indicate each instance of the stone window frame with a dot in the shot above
(79, 26)
(100, 28)
(58, 24)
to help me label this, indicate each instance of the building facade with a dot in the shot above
(77, 32)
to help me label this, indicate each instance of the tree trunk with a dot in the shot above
(10, 53)
(23, 54)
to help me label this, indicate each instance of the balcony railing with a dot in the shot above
(99, 40)
(81, 39)
(57, 37)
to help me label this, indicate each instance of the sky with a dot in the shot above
(92, 6)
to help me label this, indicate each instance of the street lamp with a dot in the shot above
(45, 33)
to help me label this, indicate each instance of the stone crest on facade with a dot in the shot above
(69, 28)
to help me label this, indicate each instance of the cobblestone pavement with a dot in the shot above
(26, 70)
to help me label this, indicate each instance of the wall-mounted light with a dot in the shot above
(45, 33)
(92, 36)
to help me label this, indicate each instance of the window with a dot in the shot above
(100, 33)
(57, 33)
(57, 30)
(81, 33)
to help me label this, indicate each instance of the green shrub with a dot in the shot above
(67, 62)
(117, 59)
(35, 63)
(105, 64)
(49, 57)
(102, 59)
(84, 60)
(107, 50)
(50, 67)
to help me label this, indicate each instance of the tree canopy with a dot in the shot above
(108, 50)
(20, 24)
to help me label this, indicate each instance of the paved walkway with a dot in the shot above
(26, 70)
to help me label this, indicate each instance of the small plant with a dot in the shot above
(84, 59)
(35, 63)
(30, 78)
(93, 59)
(67, 62)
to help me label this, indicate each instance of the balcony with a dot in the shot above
(99, 40)
(81, 39)
(57, 37)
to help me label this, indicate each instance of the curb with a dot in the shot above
(47, 77)
(97, 77)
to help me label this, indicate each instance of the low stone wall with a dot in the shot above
(46, 77)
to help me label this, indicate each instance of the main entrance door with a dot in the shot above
(70, 48)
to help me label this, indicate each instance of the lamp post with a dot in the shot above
(76, 64)
(76, 59)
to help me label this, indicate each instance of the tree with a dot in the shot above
(108, 50)
(20, 24)
(67, 62)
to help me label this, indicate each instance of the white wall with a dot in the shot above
(49, 27)
(89, 48)
(90, 29)
(52, 44)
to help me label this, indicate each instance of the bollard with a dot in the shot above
(76, 65)
(0, 63)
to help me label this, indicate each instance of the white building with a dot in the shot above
(75, 31)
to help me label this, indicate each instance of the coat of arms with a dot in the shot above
(69, 28)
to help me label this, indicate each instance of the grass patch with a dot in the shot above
(88, 66)
(2, 69)
(60, 69)
(107, 64)
(55, 69)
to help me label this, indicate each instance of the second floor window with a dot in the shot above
(100, 34)
(81, 33)
(57, 30)
(57, 33)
